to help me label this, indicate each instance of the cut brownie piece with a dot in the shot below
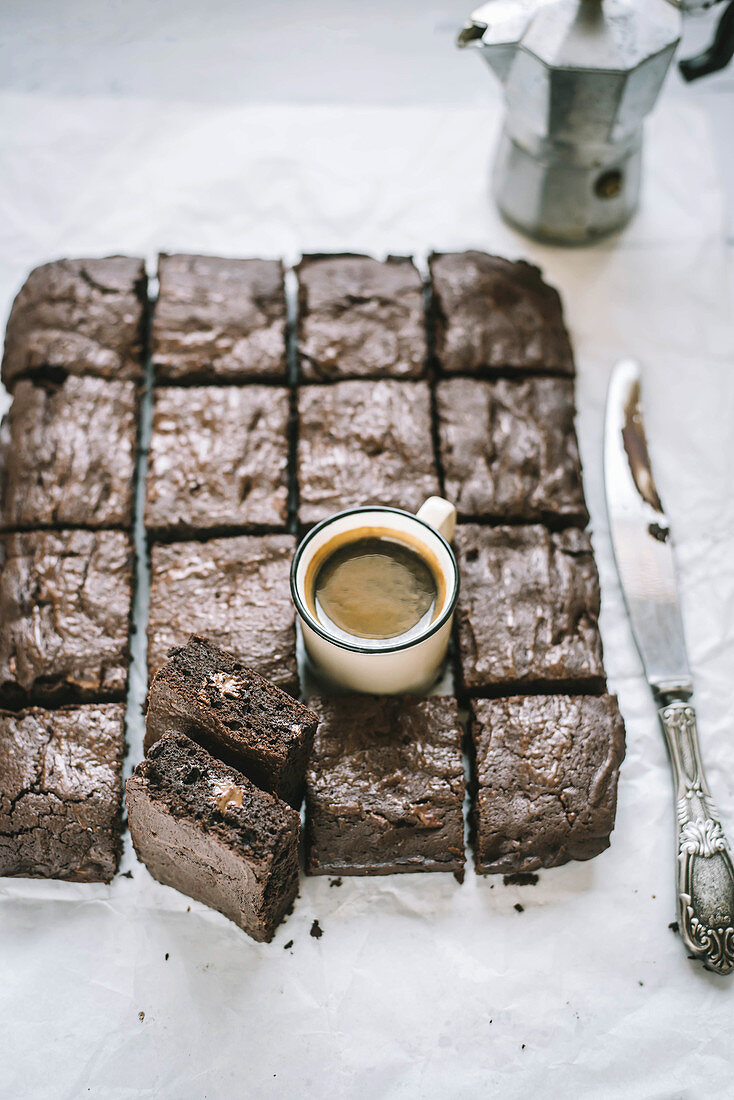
(219, 320)
(65, 602)
(79, 317)
(218, 460)
(67, 454)
(213, 698)
(546, 770)
(61, 792)
(235, 591)
(359, 318)
(528, 609)
(385, 786)
(206, 830)
(492, 315)
(364, 443)
(509, 449)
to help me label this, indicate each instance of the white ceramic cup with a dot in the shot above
(379, 666)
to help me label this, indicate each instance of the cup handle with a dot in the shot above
(439, 513)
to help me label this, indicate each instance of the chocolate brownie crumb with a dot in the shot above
(520, 878)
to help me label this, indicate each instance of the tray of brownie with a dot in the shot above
(184, 445)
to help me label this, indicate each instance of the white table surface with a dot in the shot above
(418, 987)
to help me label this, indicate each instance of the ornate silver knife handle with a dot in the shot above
(705, 870)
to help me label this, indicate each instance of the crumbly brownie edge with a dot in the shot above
(176, 787)
(176, 701)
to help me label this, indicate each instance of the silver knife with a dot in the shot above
(644, 556)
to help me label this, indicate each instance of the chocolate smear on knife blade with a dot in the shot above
(635, 444)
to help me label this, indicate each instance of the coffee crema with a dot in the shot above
(374, 585)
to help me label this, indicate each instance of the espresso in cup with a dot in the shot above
(375, 585)
(375, 590)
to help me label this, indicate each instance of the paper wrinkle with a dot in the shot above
(396, 998)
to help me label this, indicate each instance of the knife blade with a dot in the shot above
(641, 537)
(643, 551)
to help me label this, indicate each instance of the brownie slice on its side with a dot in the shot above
(528, 609)
(67, 454)
(206, 830)
(213, 698)
(359, 318)
(218, 460)
(509, 449)
(61, 792)
(364, 443)
(78, 317)
(491, 315)
(546, 771)
(219, 320)
(65, 603)
(235, 591)
(385, 786)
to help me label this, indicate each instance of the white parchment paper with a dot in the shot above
(418, 987)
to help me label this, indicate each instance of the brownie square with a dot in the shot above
(79, 317)
(385, 786)
(206, 830)
(528, 609)
(65, 603)
(546, 772)
(61, 792)
(359, 318)
(67, 454)
(218, 460)
(219, 320)
(364, 443)
(235, 591)
(217, 701)
(509, 449)
(491, 315)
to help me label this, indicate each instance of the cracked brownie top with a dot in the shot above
(235, 591)
(385, 785)
(359, 318)
(528, 609)
(218, 460)
(78, 317)
(67, 454)
(219, 320)
(492, 315)
(65, 602)
(364, 443)
(547, 770)
(61, 797)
